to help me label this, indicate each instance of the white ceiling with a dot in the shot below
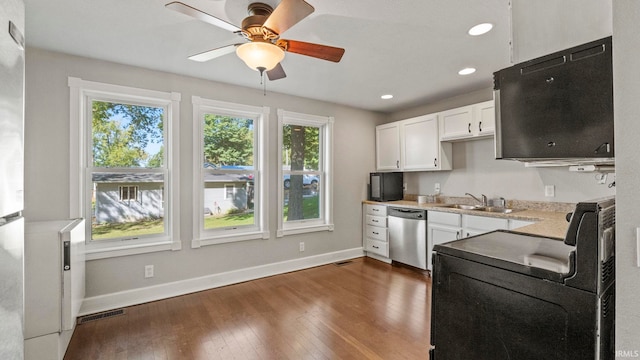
(412, 49)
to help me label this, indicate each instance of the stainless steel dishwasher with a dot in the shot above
(408, 236)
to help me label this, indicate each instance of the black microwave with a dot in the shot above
(385, 186)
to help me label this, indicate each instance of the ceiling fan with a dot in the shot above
(262, 28)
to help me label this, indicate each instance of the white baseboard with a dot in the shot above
(120, 299)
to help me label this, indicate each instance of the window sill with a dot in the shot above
(227, 238)
(305, 229)
(105, 251)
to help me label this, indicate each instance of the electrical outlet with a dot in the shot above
(301, 247)
(148, 271)
(436, 188)
(549, 190)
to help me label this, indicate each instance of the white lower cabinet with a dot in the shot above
(375, 235)
(443, 227)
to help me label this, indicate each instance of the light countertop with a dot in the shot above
(548, 223)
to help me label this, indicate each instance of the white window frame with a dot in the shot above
(82, 92)
(260, 230)
(325, 222)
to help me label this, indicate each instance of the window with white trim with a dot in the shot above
(128, 193)
(122, 181)
(230, 176)
(305, 159)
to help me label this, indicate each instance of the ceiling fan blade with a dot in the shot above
(323, 52)
(201, 15)
(214, 53)
(276, 73)
(287, 14)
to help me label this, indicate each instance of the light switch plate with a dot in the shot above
(436, 188)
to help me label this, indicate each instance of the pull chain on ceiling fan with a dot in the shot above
(262, 28)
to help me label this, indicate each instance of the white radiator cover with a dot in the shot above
(53, 294)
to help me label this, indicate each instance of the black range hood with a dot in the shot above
(557, 109)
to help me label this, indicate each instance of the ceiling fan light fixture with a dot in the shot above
(260, 55)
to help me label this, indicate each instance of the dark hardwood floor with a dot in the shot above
(365, 309)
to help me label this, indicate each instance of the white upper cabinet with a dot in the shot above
(468, 122)
(412, 145)
(420, 146)
(388, 146)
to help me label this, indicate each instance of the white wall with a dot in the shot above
(47, 170)
(476, 171)
(626, 92)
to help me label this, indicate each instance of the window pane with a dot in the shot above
(228, 142)
(228, 200)
(300, 147)
(127, 205)
(126, 135)
(301, 197)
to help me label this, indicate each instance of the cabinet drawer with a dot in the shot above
(484, 223)
(377, 247)
(376, 233)
(443, 218)
(379, 221)
(377, 210)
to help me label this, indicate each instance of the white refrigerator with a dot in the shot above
(11, 179)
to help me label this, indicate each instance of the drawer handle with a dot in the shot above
(373, 220)
(375, 247)
(374, 209)
(480, 126)
(375, 233)
(469, 128)
(457, 235)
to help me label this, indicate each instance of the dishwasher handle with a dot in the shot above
(406, 213)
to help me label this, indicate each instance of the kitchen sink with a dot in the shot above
(463, 206)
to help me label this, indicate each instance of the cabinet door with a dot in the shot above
(438, 234)
(388, 147)
(456, 123)
(420, 143)
(485, 118)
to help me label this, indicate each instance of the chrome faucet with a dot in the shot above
(483, 201)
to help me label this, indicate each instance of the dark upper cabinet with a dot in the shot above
(559, 106)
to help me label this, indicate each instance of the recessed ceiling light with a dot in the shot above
(386, 97)
(466, 71)
(480, 29)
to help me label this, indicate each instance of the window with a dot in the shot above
(230, 175)
(128, 193)
(305, 158)
(123, 177)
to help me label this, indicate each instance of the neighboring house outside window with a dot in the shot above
(230, 176)
(305, 159)
(123, 179)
